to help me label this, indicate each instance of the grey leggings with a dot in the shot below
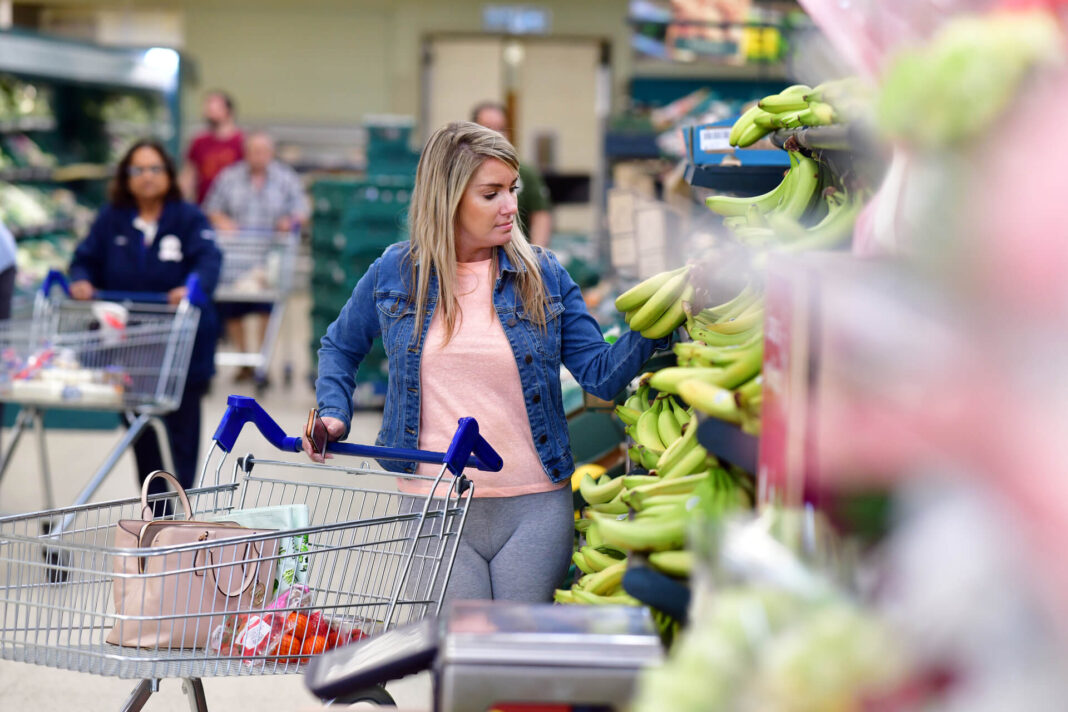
(514, 548)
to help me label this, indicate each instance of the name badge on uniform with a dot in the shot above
(170, 249)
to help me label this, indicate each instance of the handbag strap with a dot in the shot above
(146, 511)
(248, 571)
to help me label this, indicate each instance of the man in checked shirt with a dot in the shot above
(258, 193)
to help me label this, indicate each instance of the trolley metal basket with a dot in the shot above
(258, 267)
(125, 352)
(376, 557)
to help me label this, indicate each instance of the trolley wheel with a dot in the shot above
(376, 695)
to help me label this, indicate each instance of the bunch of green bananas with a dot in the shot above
(719, 372)
(795, 198)
(833, 230)
(799, 105)
(648, 514)
(652, 425)
(657, 306)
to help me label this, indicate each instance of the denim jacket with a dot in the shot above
(380, 305)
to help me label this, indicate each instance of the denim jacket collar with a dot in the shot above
(506, 263)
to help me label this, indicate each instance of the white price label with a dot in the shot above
(714, 139)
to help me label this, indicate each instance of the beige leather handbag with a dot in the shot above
(173, 596)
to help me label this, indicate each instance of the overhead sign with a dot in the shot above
(516, 19)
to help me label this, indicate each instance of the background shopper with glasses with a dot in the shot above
(147, 239)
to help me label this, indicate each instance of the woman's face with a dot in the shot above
(487, 211)
(147, 175)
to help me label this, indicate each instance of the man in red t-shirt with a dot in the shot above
(212, 150)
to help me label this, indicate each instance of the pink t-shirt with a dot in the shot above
(475, 374)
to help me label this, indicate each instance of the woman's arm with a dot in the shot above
(602, 369)
(343, 347)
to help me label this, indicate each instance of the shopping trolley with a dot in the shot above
(258, 267)
(125, 352)
(376, 557)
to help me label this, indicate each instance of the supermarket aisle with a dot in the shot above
(74, 453)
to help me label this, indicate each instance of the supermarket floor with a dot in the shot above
(74, 454)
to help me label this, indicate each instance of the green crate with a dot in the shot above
(402, 170)
(331, 273)
(324, 231)
(331, 195)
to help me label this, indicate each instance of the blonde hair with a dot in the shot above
(449, 160)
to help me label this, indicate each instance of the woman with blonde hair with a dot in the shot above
(476, 322)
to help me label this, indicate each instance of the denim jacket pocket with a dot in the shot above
(546, 342)
(396, 314)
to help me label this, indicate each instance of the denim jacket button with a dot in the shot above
(410, 431)
(555, 472)
(542, 440)
(528, 359)
(511, 322)
(536, 398)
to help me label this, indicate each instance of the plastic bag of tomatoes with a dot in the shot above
(289, 631)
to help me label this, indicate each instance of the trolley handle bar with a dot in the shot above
(196, 295)
(467, 449)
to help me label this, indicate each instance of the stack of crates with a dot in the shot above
(354, 220)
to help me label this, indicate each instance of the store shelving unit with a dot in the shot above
(75, 128)
(742, 180)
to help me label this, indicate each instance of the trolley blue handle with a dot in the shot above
(196, 295)
(467, 448)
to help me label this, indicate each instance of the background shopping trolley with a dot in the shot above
(125, 352)
(373, 557)
(258, 268)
